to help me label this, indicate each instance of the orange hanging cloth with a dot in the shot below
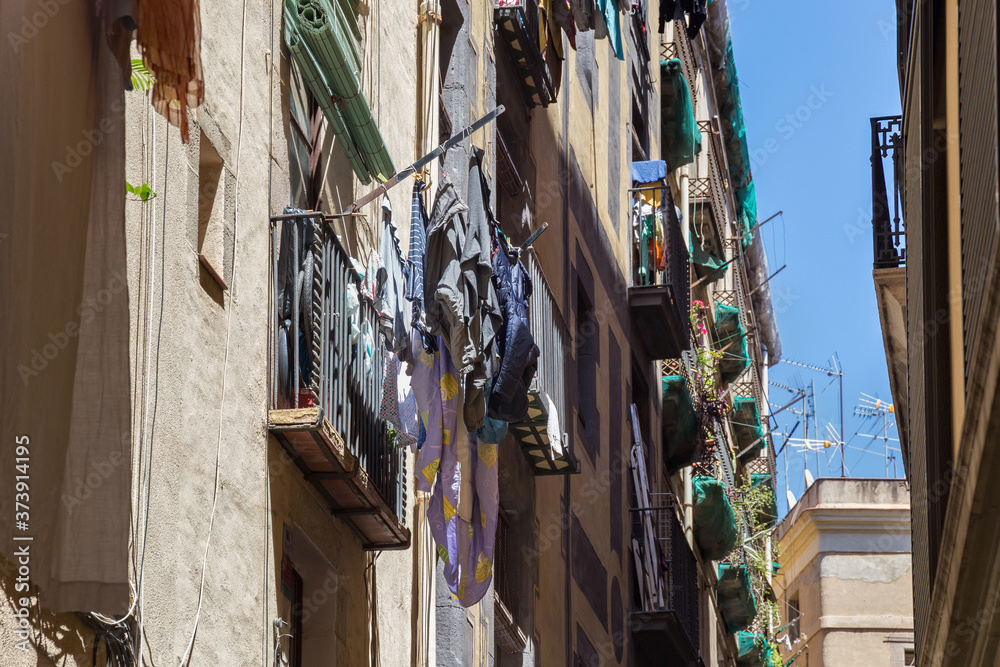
(169, 36)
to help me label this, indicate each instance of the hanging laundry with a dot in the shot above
(674, 10)
(562, 17)
(493, 430)
(648, 234)
(457, 271)
(373, 280)
(169, 38)
(352, 311)
(398, 405)
(459, 472)
(415, 254)
(608, 24)
(394, 319)
(407, 407)
(583, 14)
(518, 352)
(487, 325)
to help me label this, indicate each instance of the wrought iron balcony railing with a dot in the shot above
(888, 230)
(519, 24)
(665, 628)
(328, 361)
(659, 289)
(552, 338)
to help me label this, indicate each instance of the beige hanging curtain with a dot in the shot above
(169, 36)
(64, 316)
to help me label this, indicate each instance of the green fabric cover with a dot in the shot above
(735, 596)
(679, 424)
(713, 517)
(322, 37)
(747, 428)
(706, 265)
(680, 134)
(752, 650)
(768, 516)
(730, 332)
(737, 151)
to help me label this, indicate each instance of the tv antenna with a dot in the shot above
(871, 407)
(835, 371)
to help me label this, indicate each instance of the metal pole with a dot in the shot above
(885, 439)
(842, 444)
(418, 165)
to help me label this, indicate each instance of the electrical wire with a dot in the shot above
(156, 381)
(267, 469)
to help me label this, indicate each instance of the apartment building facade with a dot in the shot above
(934, 224)
(845, 583)
(226, 490)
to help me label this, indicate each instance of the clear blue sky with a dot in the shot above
(811, 76)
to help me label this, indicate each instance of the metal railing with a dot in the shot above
(332, 359)
(888, 230)
(529, 10)
(552, 337)
(679, 573)
(676, 272)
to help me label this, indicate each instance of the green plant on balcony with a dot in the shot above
(752, 504)
(709, 394)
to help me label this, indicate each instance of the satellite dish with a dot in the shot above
(791, 499)
(809, 478)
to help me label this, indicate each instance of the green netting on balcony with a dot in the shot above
(732, 341)
(680, 134)
(679, 424)
(752, 650)
(737, 151)
(324, 41)
(769, 515)
(747, 428)
(735, 596)
(706, 264)
(713, 518)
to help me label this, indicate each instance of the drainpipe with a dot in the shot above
(429, 18)
(685, 209)
(686, 476)
(688, 513)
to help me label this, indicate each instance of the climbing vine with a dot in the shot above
(708, 393)
(754, 504)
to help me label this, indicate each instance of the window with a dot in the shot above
(588, 350)
(300, 139)
(295, 641)
(500, 560)
(909, 658)
(313, 591)
(792, 616)
(211, 211)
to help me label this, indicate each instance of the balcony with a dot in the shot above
(889, 245)
(549, 452)
(519, 24)
(888, 232)
(659, 292)
(665, 628)
(326, 385)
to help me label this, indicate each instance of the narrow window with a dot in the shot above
(211, 212)
(295, 641)
(792, 616)
(588, 346)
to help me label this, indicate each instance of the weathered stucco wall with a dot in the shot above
(845, 555)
